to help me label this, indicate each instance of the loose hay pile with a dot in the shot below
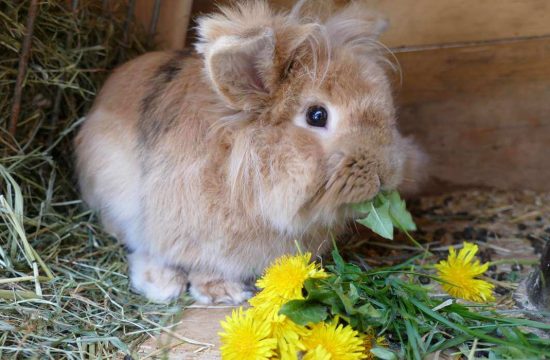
(63, 286)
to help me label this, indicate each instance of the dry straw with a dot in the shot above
(63, 285)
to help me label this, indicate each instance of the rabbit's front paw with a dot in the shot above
(158, 282)
(208, 289)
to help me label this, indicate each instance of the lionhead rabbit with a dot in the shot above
(210, 165)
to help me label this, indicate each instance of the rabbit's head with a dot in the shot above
(310, 111)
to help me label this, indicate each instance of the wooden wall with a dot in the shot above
(475, 88)
(172, 21)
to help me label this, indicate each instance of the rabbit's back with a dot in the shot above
(130, 132)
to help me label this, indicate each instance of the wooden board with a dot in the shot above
(201, 325)
(429, 22)
(172, 24)
(481, 112)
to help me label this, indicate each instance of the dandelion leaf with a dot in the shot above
(379, 220)
(303, 312)
(401, 218)
(384, 354)
(386, 211)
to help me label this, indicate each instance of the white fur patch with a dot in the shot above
(158, 282)
(234, 295)
(109, 178)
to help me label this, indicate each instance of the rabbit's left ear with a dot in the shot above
(241, 68)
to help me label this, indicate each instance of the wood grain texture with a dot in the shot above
(481, 112)
(431, 22)
(200, 325)
(174, 18)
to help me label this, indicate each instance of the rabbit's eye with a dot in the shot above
(317, 116)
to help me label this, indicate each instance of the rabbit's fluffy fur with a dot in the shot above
(204, 166)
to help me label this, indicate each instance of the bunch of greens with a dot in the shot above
(386, 211)
(391, 302)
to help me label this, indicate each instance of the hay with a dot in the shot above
(63, 286)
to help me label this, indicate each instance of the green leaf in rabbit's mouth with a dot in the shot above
(384, 212)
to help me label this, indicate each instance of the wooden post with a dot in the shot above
(172, 22)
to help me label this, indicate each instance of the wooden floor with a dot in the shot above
(199, 326)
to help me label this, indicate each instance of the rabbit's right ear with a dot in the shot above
(245, 49)
(240, 68)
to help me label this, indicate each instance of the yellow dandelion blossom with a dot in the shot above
(267, 303)
(246, 337)
(338, 341)
(284, 279)
(319, 353)
(459, 274)
(288, 335)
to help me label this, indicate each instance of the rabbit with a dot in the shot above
(207, 165)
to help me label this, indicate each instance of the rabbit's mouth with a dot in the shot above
(353, 175)
(358, 177)
(354, 181)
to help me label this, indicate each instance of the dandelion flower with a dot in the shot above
(284, 279)
(288, 335)
(246, 337)
(459, 274)
(333, 341)
(319, 353)
(267, 304)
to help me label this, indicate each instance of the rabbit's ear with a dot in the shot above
(241, 68)
(246, 48)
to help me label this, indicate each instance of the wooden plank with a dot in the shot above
(429, 22)
(436, 74)
(201, 325)
(481, 112)
(172, 23)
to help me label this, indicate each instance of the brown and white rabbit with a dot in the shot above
(209, 166)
